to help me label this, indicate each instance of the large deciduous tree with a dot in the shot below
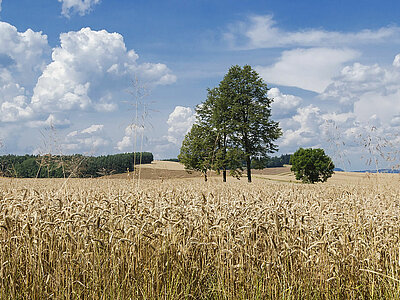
(214, 115)
(235, 122)
(252, 129)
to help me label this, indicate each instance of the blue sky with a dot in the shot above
(67, 69)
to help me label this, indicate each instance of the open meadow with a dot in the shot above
(183, 238)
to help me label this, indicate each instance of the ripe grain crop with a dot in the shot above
(186, 239)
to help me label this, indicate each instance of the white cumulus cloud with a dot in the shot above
(367, 90)
(91, 70)
(82, 7)
(133, 136)
(358, 119)
(52, 121)
(310, 69)
(283, 104)
(89, 140)
(22, 59)
(179, 123)
(358, 79)
(125, 144)
(93, 128)
(303, 128)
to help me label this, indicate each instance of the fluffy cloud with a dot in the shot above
(90, 70)
(358, 121)
(312, 126)
(14, 107)
(82, 7)
(90, 140)
(310, 69)
(52, 121)
(22, 54)
(283, 105)
(179, 123)
(260, 31)
(395, 121)
(302, 128)
(359, 79)
(362, 87)
(396, 61)
(125, 143)
(22, 59)
(132, 134)
(92, 129)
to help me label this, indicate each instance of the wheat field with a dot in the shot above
(189, 239)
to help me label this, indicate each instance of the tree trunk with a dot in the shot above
(248, 163)
(224, 175)
(205, 177)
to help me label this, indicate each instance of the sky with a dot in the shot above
(101, 77)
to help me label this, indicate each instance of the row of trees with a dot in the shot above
(233, 125)
(60, 166)
(270, 162)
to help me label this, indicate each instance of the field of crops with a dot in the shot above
(187, 239)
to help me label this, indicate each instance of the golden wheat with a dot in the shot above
(186, 239)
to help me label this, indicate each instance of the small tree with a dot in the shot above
(197, 150)
(311, 165)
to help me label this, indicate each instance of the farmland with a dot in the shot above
(183, 238)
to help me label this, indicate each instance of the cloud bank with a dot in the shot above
(89, 72)
(310, 69)
(358, 114)
(260, 31)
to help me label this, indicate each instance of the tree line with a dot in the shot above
(233, 125)
(61, 166)
(270, 162)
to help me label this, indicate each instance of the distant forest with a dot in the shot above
(270, 162)
(60, 166)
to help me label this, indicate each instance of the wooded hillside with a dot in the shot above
(59, 166)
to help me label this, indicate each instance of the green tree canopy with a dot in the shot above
(252, 130)
(197, 150)
(59, 166)
(214, 115)
(311, 165)
(236, 122)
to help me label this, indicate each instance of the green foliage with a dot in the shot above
(236, 122)
(253, 132)
(197, 152)
(57, 166)
(270, 162)
(214, 115)
(311, 165)
(171, 159)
